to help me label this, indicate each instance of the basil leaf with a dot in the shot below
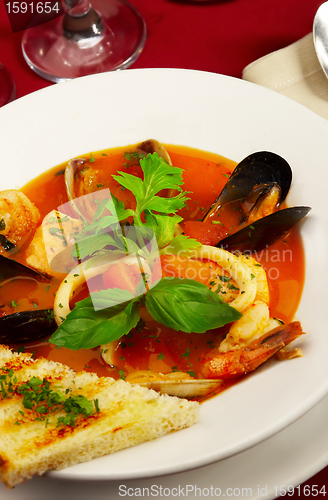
(110, 297)
(85, 328)
(188, 305)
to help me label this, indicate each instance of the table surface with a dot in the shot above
(221, 36)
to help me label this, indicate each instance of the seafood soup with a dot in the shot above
(208, 296)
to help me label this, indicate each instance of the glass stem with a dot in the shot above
(81, 22)
(81, 9)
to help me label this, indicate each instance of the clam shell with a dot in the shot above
(153, 146)
(188, 389)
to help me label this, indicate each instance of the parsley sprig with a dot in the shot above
(158, 175)
(152, 211)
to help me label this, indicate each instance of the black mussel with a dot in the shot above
(24, 326)
(10, 268)
(27, 326)
(262, 201)
(6, 244)
(263, 169)
(264, 232)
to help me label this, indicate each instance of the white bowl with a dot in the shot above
(222, 115)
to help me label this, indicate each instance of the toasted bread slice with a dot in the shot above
(37, 439)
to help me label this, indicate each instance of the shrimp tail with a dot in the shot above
(242, 361)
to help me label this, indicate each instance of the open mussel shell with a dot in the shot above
(26, 326)
(188, 389)
(260, 168)
(10, 268)
(264, 232)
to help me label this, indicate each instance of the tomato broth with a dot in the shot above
(153, 347)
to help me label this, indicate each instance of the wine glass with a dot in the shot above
(7, 86)
(89, 38)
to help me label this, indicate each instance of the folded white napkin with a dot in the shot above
(295, 72)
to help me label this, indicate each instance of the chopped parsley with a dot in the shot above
(44, 400)
(60, 172)
(225, 278)
(186, 354)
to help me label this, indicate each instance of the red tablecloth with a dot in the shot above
(221, 36)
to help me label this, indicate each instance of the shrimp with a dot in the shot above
(254, 322)
(18, 216)
(235, 363)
